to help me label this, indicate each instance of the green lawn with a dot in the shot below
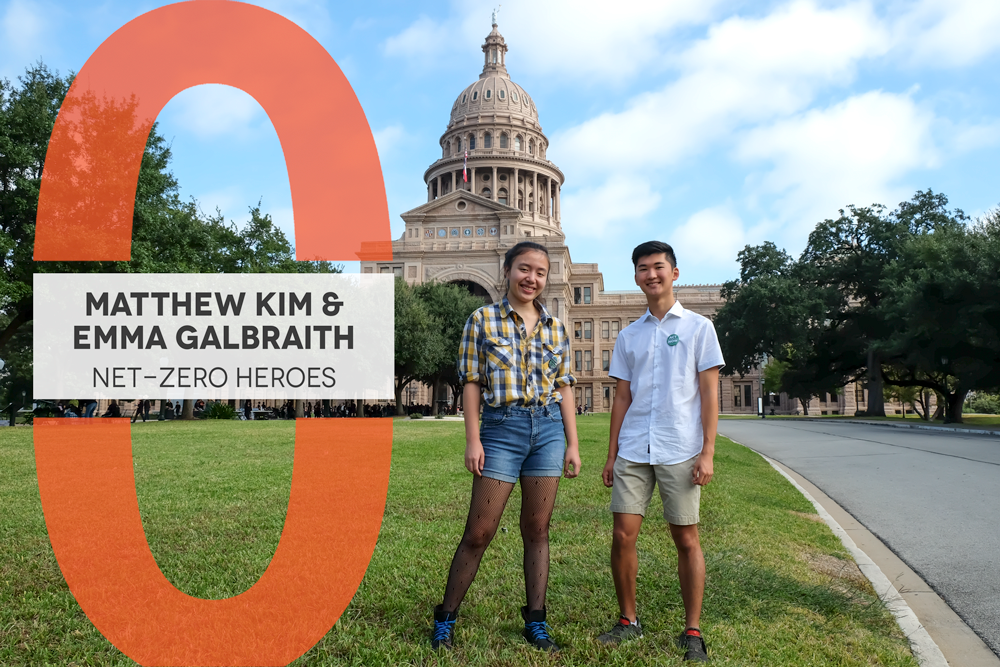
(780, 591)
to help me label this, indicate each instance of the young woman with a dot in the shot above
(515, 357)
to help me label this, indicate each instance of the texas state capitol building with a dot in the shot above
(461, 233)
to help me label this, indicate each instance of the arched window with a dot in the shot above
(517, 142)
(531, 146)
(520, 199)
(503, 140)
(475, 95)
(458, 145)
(488, 94)
(487, 193)
(502, 196)
(464, 95)
(487, 140)
(447, 148)
(472, 142)
(502, 94)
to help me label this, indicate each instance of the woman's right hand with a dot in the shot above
(475, 457)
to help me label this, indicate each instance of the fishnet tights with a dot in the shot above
(489, 498)
(538, 497)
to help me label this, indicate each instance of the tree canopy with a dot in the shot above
(168, 235)
(909, 297)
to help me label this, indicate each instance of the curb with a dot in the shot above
(922, 427)
(924, 648)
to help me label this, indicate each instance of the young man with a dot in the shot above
(663, 423)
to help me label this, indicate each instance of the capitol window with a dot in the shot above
(475, 95)
(458, 145)
(588, 330)
(502, 196)
(487, 193)
(502, 94)
(488, 94)
(487, 140)
(472, 142)
(503, 140)
(513, 95)
(464, 95)
(531, 146)
(517, 142)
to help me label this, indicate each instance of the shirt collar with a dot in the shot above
(506, 309)
(677, 310)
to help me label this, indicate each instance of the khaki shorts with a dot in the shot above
(633, 489)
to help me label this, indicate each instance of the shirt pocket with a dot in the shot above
(499, 353)
(551, 359)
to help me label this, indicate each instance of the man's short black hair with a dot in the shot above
(653, 248)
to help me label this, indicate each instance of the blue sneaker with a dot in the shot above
(444, 628)
(536, 630)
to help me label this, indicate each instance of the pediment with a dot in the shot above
(460, 203)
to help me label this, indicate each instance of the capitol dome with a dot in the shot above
(495, 149)
(494, 92)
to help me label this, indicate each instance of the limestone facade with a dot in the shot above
(493, 187)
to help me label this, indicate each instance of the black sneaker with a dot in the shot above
(536, 630)
(694, 645)
(444, 628)
(624, 629)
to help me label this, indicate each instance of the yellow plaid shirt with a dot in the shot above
(513, 367)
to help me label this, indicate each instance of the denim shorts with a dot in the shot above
(523, 442)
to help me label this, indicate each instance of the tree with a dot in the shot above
(168, 235)
(419, 342)
(451, 305)
(943, 312)
(851, 256)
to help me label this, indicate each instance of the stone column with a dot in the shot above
(430, 190)
(472, 180)
(534, 194)
(513, 194)
(439, 184)
(558, 210)
(494, 189)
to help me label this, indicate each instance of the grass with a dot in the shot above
(781, 588)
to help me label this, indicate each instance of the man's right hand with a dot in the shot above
(608, 474)
(475, 457)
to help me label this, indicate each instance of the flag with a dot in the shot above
(465, 167)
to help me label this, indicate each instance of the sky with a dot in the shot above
(709, 124)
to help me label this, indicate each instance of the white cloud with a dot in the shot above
(213, 110)
(388, 138)
(422, 39)
(558, 36)
(22, 26)
(709, 241)
(949, 33)
(854, 152)
(596, 211)
(745, 71)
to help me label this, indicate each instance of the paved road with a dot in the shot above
(933, 498)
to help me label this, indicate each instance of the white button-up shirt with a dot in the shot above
(661, 359)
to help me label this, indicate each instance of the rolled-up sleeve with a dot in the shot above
(565, 377)
(470, 355)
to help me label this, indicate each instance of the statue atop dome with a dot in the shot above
(495, 12)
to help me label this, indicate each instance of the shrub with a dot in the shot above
(439, 416)
(416, 415)
(218, 411)
(982, 403)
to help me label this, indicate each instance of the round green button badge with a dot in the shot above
(673, 339)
